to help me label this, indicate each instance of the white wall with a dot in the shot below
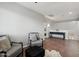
(17, 21)
(71, 27)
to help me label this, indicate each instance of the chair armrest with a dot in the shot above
(30, 42)
(19, 43)
(2, 51)
(42, 41)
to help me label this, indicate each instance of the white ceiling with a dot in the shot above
(56, 11)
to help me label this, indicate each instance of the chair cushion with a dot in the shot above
(37, 43)
(5, 43)
(14, 50)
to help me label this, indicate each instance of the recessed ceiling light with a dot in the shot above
(48, 25)
(70, 12)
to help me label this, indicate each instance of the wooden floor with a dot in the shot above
(67, 48)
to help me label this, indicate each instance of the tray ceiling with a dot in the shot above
(56, 11)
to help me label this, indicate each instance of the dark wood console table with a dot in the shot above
(57, 33)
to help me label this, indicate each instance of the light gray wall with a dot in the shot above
(17, 21)
(71, 26)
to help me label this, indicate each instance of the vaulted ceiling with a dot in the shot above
(55, 11)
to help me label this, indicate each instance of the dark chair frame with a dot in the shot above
(5, 52)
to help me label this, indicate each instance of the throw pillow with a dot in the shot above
(4, 43)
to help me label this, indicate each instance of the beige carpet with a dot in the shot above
(52, 53)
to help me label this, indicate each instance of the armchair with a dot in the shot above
(16, 48)
(34, 39)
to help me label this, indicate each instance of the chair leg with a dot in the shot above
(5, 55)
(22, 48)
(30, 43)
(42, 42)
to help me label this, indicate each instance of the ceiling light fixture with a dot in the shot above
(48, 25)
(36, 2)
(70, 12)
